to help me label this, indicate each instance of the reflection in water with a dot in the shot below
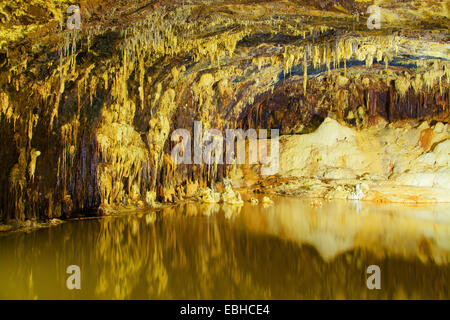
(196, 251)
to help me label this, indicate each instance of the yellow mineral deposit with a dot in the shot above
(305, 72)
(32, 166)
(267, 201)
(231, 197)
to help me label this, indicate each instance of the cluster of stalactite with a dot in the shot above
(355, 101)
(86, 116)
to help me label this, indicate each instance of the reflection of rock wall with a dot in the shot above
(287, 251)
(339, 226)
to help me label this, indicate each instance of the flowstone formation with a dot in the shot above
(87, 115)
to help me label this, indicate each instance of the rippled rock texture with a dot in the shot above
(86, 115)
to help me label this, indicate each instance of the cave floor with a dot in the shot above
(293, 249)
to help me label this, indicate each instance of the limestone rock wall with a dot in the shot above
(86, 115)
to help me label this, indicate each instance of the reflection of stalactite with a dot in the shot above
(221, 261)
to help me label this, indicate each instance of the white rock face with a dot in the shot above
(402, 158)
(439, 127)
(431, 169)
(330, 152)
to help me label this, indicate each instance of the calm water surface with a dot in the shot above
(287, 251)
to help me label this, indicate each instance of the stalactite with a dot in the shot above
(316, 57)
(328, 60)
(305, 72)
